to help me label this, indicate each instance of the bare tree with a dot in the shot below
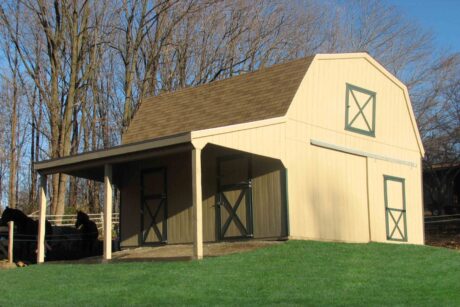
(84, 67)
(439, 120)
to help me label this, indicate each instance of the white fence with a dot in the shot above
(6, 246)
(70, 219)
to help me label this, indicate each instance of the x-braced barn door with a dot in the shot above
(234, 198)
(154, 206)
(395, 208)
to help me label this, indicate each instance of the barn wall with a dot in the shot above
(265, 138)
(268, 197)
(329, 198)
(179, 199)
(269, 211)
(319, 106)
(331, 192)
(411, 175)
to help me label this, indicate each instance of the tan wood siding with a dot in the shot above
(269, 198)
(322, 177)
(179, 199)
(330, 200)
(414, 211)
(269, 212)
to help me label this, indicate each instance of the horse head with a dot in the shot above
(82, 218)
(3, 219)
(15, 215)
(8, 215)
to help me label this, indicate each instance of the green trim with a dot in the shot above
(349, 121)
(389, 211)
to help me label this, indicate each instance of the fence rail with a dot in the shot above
(70, 219)
(6, 232)
(440, 219)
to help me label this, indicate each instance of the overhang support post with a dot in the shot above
(10, 241)
(41, 220)
(197, 205)
(108, 212)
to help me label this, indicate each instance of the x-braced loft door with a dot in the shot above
(234, 198)
(154, 206)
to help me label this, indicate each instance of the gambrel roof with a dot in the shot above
(264, 94)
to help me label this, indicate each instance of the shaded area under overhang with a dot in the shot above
(90, 165)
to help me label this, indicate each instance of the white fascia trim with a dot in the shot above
(238, 127)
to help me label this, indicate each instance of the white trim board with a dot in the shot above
(361, 153)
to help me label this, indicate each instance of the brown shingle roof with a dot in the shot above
(259, 95)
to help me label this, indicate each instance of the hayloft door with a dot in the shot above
(234, 218)
(154, 205)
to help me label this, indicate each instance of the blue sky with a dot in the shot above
(442, 17)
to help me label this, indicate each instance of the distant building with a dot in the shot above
(441, 191)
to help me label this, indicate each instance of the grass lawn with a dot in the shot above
(295, 273)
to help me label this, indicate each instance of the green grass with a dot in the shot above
(295, 273)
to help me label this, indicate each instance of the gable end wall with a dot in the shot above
(339, 196)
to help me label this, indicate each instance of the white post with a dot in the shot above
(108, 212)
(197, 205)
(10, 241)
(41, 220)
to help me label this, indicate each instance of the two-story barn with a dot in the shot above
(321, 148)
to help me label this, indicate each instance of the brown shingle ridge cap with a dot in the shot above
(306, 60)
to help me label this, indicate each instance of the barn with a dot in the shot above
(321, 148)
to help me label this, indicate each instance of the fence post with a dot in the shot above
(10, 241)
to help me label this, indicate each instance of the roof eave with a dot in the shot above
(117, 154)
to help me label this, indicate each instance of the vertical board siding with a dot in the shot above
(334, 202)
(179, 189)
(414, 212)
(268, 141)
(320, 103)
(269, 215)
(338, 196)
(268, 199)
(130, 200)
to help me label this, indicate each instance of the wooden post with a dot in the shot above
(108, 212)
(41, 220)
(197, 205)
(10, 241)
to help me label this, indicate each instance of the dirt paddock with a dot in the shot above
(445, 233)
(447, 240)
(178, 252)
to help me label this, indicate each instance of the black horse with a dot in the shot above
(25, 234)
(89, 233)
